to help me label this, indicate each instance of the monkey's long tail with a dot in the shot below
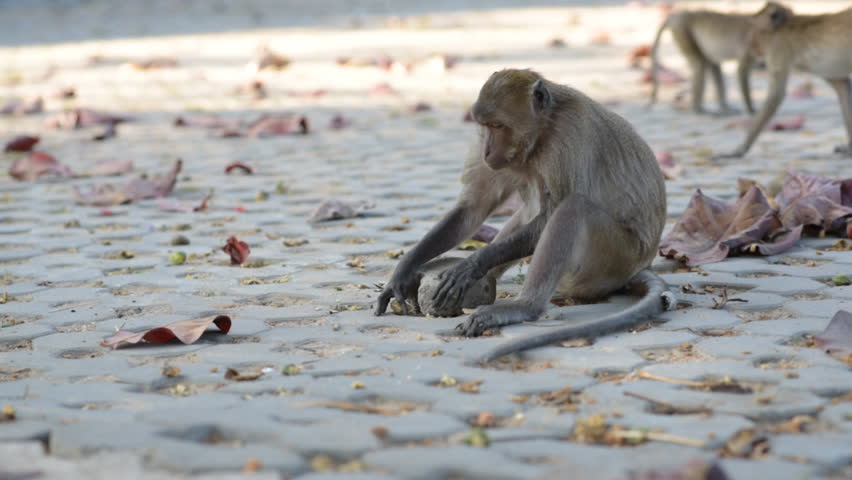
(656, 300)
(655, 62)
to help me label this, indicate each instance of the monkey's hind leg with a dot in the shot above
(581, 242)
(843, 87)
(719, 81)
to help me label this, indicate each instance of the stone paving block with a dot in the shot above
(785, 327)
(739, 469)
(819, 447)
(651, 338)
(440, 462)
(25, 431)
(346, 475)
(817, 308)
(343, 438)
(199, 458)
(82, 439)
(789, 286)
(698, 319)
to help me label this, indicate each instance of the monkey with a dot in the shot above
(706, 38)
(817, 44)
(594, 206)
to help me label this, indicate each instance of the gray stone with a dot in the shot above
(440, 462)
(480, 293)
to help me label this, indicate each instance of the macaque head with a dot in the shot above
(512, 108)
(771, 16)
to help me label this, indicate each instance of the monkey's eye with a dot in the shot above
(495, 125)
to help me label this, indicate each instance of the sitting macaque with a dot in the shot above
(818, 44)
(594, 205)
(706, 39)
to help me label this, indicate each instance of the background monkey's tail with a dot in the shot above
(657, 299)
(655, 62)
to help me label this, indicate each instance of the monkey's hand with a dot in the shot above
(498, 315)
(402, 286)
(455, 282)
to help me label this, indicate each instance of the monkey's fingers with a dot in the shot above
(384, 300)
(446, 293)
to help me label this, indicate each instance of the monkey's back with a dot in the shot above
(721, 36)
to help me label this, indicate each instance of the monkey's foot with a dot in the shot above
(738, 153)
(498, 315)
(845, 150)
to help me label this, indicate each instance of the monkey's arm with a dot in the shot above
(457, 225)
(520, 244)
(743, 74)
(777, 90)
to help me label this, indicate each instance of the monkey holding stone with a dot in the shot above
(818, 44)
(594, 207)
(706, 39)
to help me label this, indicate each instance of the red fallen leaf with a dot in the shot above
(21, 143)
(238, 165)
(238, 250)
(138, 189)
(668, 166)
(35, 165)
(468, 117)
(320, 92)
(334, 209)
(637, 54)
(664, 75)
(271, 125)
(187, 331)
(109, 132)
(792, 123)
(836, 340)
(710, 229)
(600, 38)
(108, 168)
(204, 202)
(106, 212)
(240, 209)
(486, 233)
(65, 93)
(17, 107)
(421, 107)
(338, 122)
(383, 89)
(154, 63)
(83, 117)
(205, 121)
(269, 60)
(802, 91)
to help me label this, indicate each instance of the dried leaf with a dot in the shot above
(697, 469)
(238, 250)
(420, 107)
(16, 107)
(153, 63)
(788, 124)
(637, 54)
(665, 76)
(35, 165)
(238, 165)
(206, 121)
(836, 340)
(670, 169)
(486, 234)
(711, 229)
(187, 331)
(110, 167)
(333, 209)
(269, 60)
(21, 143)
(338, 122)
(272, 125)
(817, 202)
(137, 189)
(238, 376)
(83, 117)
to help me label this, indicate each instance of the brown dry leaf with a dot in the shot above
(357, 407)
(110, 167)
(35, 165)
(153, 63)
(746, 443)
(243, 376)
(815, 202)
(379, 432)
(711, 229)
(269, 60)
(637, 54)
(138, 189)
(485, 420)
(21, 143)
(187, 331)
(279, 124)
(83, 117)
(252, 465)
(333, 209)
(470, 387)
(238, 250)
(697, 469)
(836, 339)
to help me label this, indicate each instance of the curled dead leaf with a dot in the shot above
(186, 331)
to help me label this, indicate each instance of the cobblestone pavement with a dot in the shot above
(383, 396)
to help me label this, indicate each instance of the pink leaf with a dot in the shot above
(836, 340)
(111, 167)
(83, 117)
(186, 331)
(668, 166)
(272, 125)
(791, 123)
(137, 189)
(35, 165)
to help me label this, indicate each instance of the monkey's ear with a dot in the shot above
(541, 98)
(779, 16)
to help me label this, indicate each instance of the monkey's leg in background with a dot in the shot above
(719, 81)
(843, 87)
(581, 242)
